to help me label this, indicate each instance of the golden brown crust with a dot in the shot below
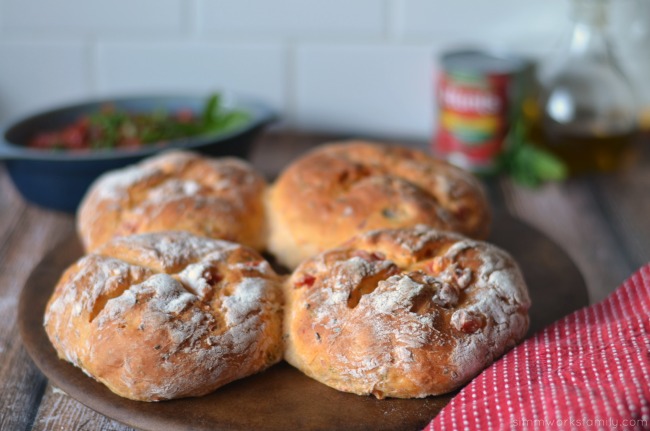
(167, 315)
(339, 190)
(217, 198)
(403, 313)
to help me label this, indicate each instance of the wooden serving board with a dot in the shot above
(282, 398)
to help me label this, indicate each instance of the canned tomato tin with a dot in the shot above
(478, 93)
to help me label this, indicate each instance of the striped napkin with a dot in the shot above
(588, 371)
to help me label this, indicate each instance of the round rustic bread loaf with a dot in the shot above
(167, 315)
(339, 190)
(404, 312)
(217, 198)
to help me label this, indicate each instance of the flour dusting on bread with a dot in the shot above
(168, 315)
(342, 189)
(404, 312)
(176, 190)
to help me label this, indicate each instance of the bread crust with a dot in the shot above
(341, 189)
(176, 190)
(167, 315)
(403, 313)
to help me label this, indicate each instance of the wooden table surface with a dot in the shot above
(603, 222)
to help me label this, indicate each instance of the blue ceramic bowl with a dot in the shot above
(59, 180)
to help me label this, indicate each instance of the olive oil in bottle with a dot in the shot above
(591, 153)
(586, 112)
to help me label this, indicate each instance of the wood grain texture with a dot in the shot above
(30, 234)
(58, 411)
(569, 214)
(11, 208)
(272, 152)
(624, 199)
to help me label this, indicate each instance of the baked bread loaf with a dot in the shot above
(403, 313)
(339, 190)
(167, 315)
(217, 198)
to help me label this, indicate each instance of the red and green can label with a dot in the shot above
(473, 119)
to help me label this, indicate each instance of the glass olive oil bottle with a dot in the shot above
(586, 111)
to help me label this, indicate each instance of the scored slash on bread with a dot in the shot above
(339, 190)
(403, 312)
(167, 315)
(177, 190)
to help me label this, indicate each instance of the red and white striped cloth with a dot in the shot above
(588, 371)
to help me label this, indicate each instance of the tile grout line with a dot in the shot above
(92, 65)
(393, 17)
(290, 88)
(3, 22)
(191, 23)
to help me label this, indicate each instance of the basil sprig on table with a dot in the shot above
(528, 164)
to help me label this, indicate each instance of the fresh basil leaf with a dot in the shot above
(527, 163)
(211, 109)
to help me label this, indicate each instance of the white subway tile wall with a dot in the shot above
(175, 67)
(41, 74)
(295, 19)
(362, 67)
(89, 18)
(376, 90)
